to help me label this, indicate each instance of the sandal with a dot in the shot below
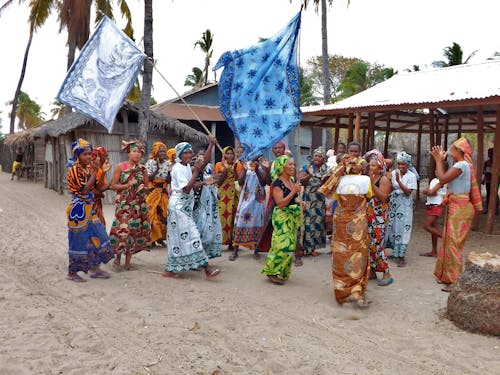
(401, 262)
(101, 274)
(298, 262)
(210, 272)
(233, 256)
(276, 280)
(385, 282)
(373, 276)
(76, 278)
(256, 255)
(429, 254)
(446, 288)
(314, 253)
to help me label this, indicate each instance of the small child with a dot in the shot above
(434, 209)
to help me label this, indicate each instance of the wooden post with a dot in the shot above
(492, 204)
(364, 141)
(459, 127)
(350, 127)
(480, 157)
(125, 124)
(387, 135)
(337, 131)
(446, 128)
(371, 145)
(432, 139)
(419, 146)
(357, 127)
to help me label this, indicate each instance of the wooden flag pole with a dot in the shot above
(187, 105)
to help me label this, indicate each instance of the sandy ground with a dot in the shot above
(140, 323)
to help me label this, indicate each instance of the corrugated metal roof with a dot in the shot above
(456, 83)
(182, 112)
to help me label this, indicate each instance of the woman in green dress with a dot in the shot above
(286, 219)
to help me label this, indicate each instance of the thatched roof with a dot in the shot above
(21, 138)
(74, 120)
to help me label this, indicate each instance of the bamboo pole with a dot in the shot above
(419, 146)
(432, 162)
(492, 204)
(186, 104)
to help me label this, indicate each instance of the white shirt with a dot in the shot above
(440, 194)
(181, 174)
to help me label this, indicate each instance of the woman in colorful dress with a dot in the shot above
(350, 245)
(157, 168)
(88, 241)
(377, 216)
(184, 244)
(206, 206)
(130, 231)
(312, 177)
(251, 207)
(227, 172)
(267, 229)
(286, 221)
(102, 154)
(404, 182)
(463, 198)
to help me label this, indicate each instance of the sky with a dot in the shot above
(394, 33)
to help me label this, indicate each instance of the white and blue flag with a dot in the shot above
(259, 90)
(103, 74)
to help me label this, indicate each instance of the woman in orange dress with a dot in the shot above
(157, 167)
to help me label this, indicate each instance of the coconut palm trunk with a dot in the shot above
(147, 77)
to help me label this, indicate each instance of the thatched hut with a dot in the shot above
(33, 152)
(57, 136)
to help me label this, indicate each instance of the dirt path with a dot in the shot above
(139, 323)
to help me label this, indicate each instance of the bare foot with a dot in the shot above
(429, 254)
(276, 280)
(171, 275)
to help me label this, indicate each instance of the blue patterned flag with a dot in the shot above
(259, 90)
(103, 74)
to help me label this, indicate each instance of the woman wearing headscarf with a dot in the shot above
(463, 198)
(251, 206)
(404, 182)
(130, 231)
(206, 206)
(377, 216)
(157, 199)
(184, 244)
(312, 176)
(285, 220)
(101, 154)
(350, 245)
(267, 229)
(227, 172)
(88, 241)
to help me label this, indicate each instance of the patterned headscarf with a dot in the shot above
(171, 154)
(279, 166)
(347, 165)
(403, 157)
(475, 195)
(133, 143)
(99, 151)
(181, 148)
(378, 157)
(156, 149)
(320, 150)
(226, 149)
(77, 147)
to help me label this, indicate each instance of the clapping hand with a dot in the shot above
(106, 166)
(438, 153)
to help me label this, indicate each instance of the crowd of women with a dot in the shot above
(178, 200)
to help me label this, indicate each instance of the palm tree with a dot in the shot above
(195, 79)
(362, 75)
(75, 17)
(39, 12)
(29, 113)
(205, 44)
(57, 110)
(147, 76)
(454, 56)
